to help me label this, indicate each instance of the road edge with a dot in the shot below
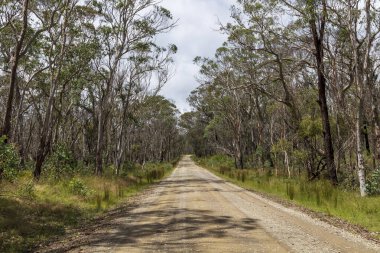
(334, 221)
(73, 236)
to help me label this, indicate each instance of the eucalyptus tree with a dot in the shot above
(193, 126)
(271, 67)
(19, 36)
(314, 14)
(261, 49)
(226, 102)
(75, 73)
(360, 24)
(158, 138)
(125, 26)
(134, 83)
(66, 57)
(307, 75)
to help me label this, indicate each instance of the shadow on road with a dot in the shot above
(162, 223)
(171, 230)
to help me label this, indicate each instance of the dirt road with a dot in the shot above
(195, 211)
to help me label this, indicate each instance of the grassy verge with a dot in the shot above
(318, 196)
(31, 213)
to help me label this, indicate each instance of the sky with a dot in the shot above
(195, 35)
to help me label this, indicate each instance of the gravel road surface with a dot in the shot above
(196, 211)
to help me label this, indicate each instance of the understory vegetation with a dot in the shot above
(319, 196)
(34, 212)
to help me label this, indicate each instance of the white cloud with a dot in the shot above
(195, 35)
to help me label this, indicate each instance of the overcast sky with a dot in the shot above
(195, 35)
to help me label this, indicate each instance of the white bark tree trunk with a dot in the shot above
(360, 158)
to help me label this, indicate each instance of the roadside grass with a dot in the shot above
(33, 213)
(318, 196)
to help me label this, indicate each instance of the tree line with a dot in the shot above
(295, 86)
(82, 78)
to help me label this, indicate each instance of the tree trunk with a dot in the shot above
(99, 144)
(46, 133)
(120, 149)
(376, 124)
(318, 37)
(13, 77)
(39, 162)
(359, 150)
(287, 163)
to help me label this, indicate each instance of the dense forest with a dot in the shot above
(295, 86)
(79, 85)
(294, 89)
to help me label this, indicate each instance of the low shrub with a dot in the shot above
(27, 190)
(9, 161)
(290, 190)
(77, 187)
(107, 194)
(373, 184)
(156, 171)
(224, 169)
(139, 174)
(155, 174)
(241, 175)
(61, 163)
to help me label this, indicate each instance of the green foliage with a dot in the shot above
(173, 48)
(128, 167)
(224, 170)
(106, 193)
(241, 175)
(154, 171)
(209, 130)
(77, 187)
(61, 163)
(373, 184)
(300, 155)
(310, 127)
(281, 146)
(9, 161)
(139, 174)
(290, 191)
(268, 164)
(216, 161)
(164, 12)
(27, 190)
(154, 174)
(259, 150)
